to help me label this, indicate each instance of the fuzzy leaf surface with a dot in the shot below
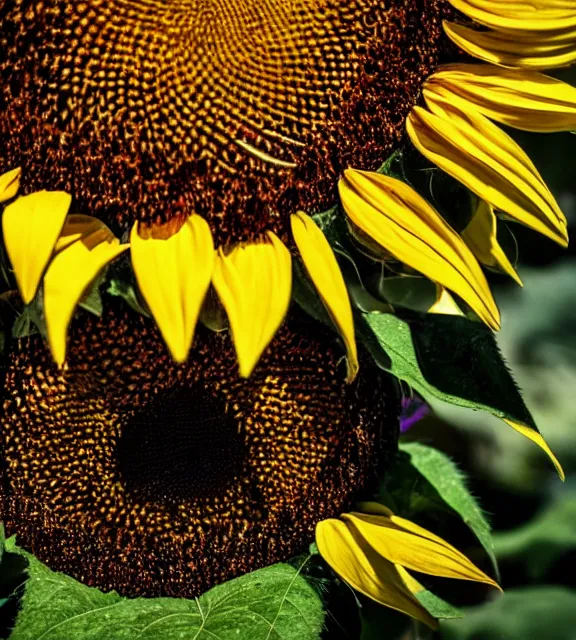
(447, 358)
(275, 603)
(449, 482)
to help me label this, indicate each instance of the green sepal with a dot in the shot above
(121, 283)
(31, 320)
(450, 197)
(127, 291)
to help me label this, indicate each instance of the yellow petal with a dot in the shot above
(402, 222)
(31, 226)
(68, 277)
(538, 52)
(525, 100)
(480, 236)
(445, 304)
(76, 226)
(9, 184)
(366, 571)
(325, 273)
(254, 283)
(475, 151)
(520, 15)
(173, 274)
(403, 542)
(536, 437)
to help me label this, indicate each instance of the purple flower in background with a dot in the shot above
(413, 409)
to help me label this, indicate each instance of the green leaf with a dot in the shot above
(450, 484)
(542, 613)
(447, 358)
(275, 603)
(12, 576)
(437, 607)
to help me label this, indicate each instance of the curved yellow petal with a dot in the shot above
(403, 542)
(68, 276)
(9, 184)
(323, 269)
(476, 152)
(173, 274)
(31, 226)
(445, 304)
(520, 15)
(537, 438)
(538, 52)
(366, 571)
(480, 236)
(254, 283)
(522, 99)
(401, 221)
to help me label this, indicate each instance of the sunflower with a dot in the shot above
(209, 161)
(171, 478)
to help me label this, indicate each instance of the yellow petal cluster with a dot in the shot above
(173, 269)
(533, 34)
(254, 283)
(374, 550)
(65, 252)
(173, 274)
(480, 236)
(522, 99)
(525, 50)
(402, 222)
(323, 269)
(516, 16)
(31, 226)
(469, 147)
(69, 275)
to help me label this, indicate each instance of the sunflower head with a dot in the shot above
(230, 170)
(132, 472)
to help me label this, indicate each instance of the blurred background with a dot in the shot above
(532, 512)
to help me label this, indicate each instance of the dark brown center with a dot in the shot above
(182, 446)
(130, 472)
